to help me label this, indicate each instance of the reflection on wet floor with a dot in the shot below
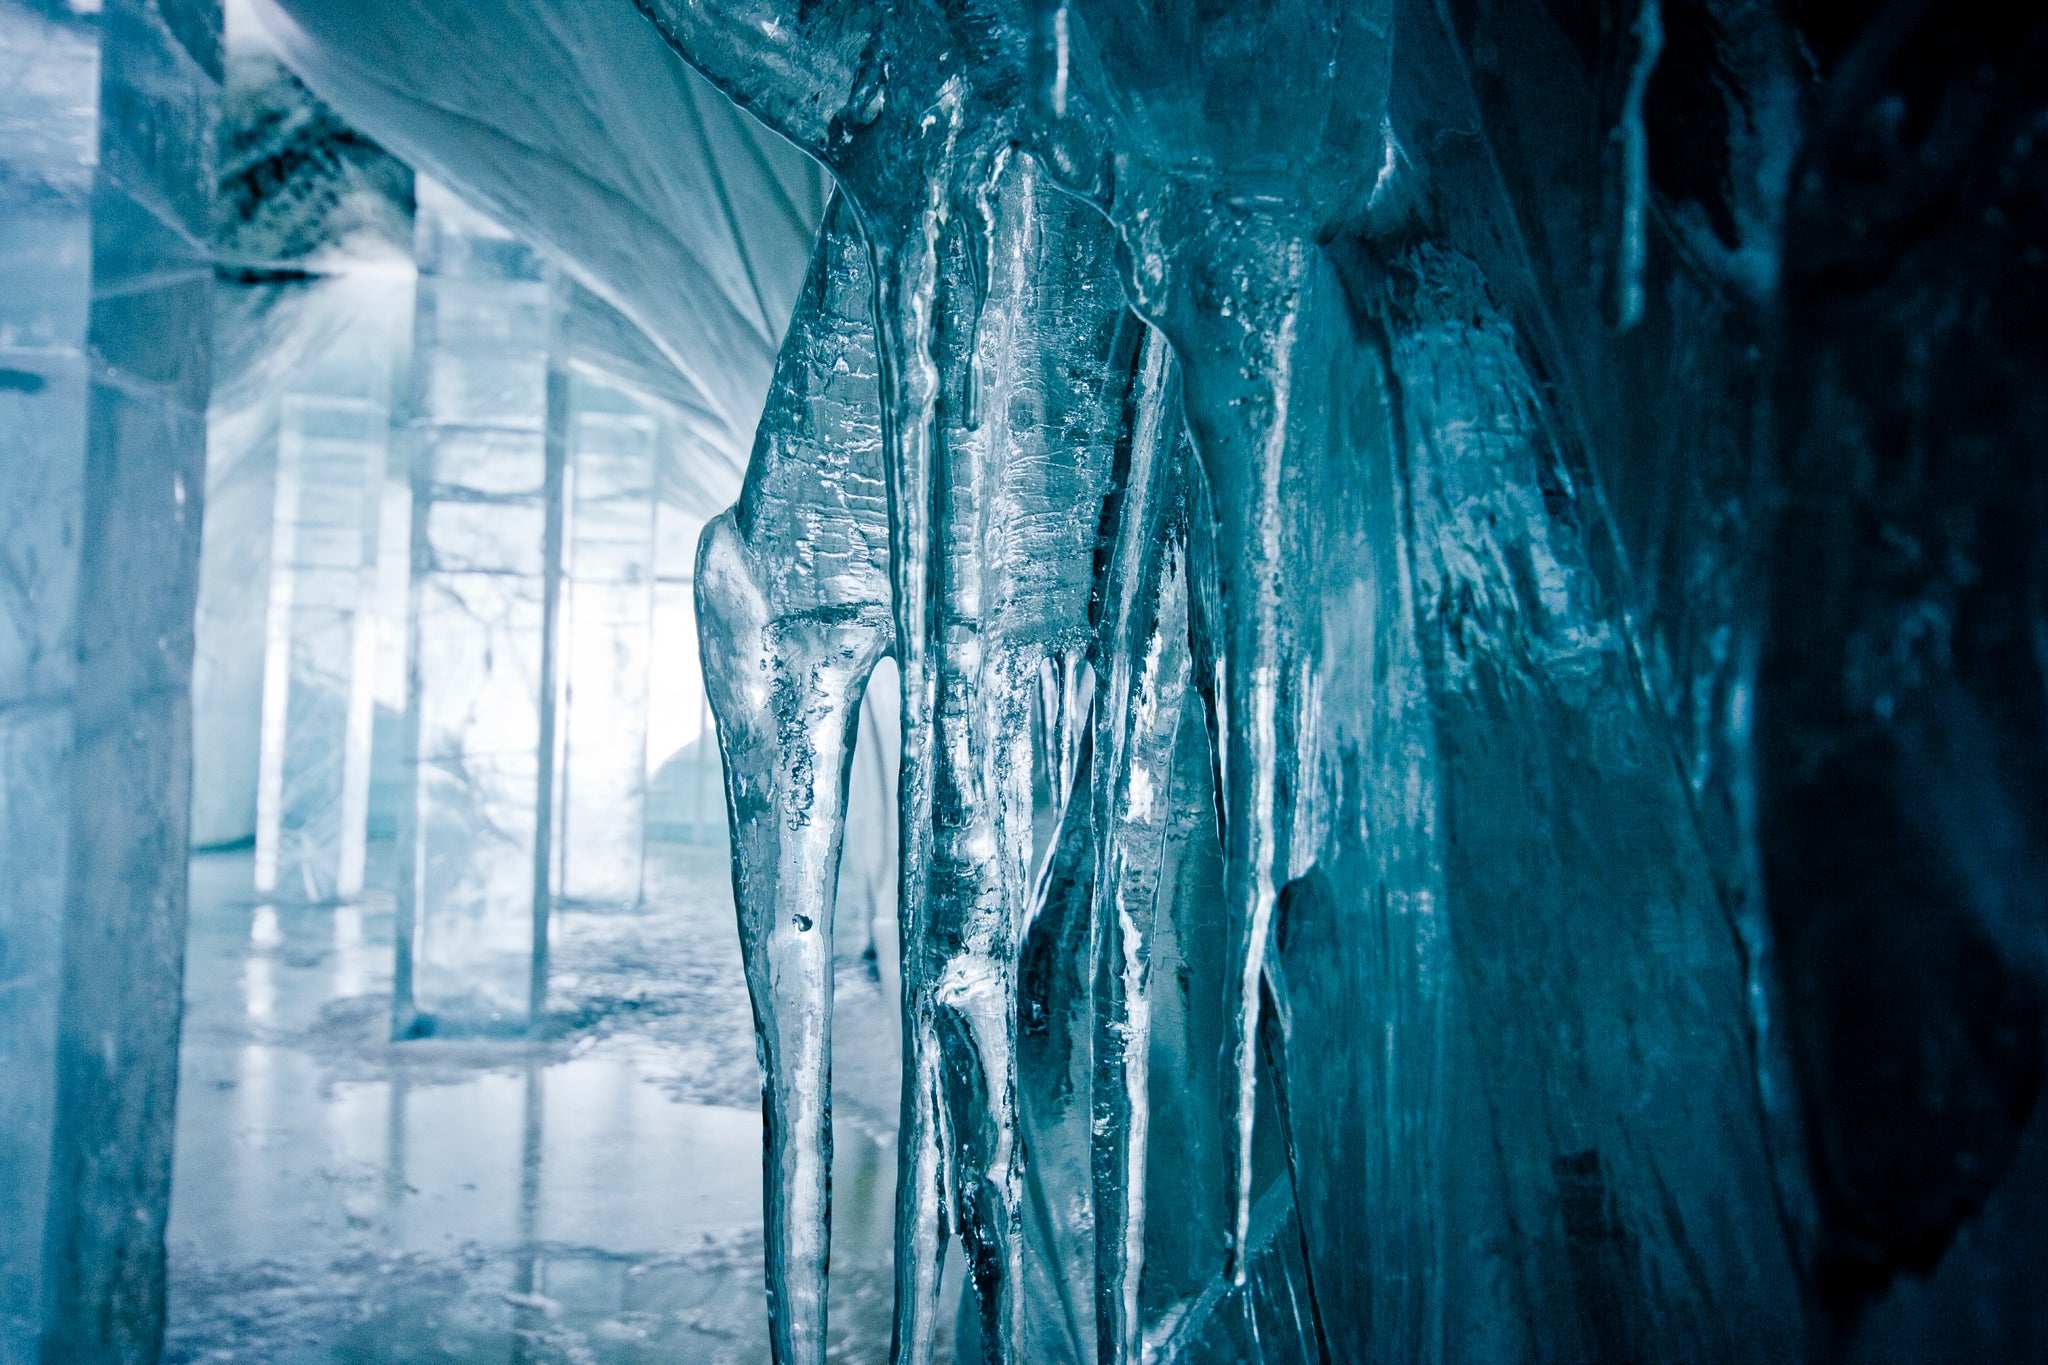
(592, 1196)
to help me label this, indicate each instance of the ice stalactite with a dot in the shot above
(1055, 349)
(1365, 506)
(789, 644)
(913, 147)
(1145, 662)
(899, 156)
(1219, 214)
(1218, 259)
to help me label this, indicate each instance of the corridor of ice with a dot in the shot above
(1295, 681)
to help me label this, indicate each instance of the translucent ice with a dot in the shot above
(608, 621)
(1479, 959)
(313, 772)
(106, 189)
(1335, 545)
(489, 433)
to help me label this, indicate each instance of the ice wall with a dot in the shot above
(107, 121)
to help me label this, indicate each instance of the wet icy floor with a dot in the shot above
(591, 1197)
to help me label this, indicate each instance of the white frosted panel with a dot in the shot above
(484, 461)
(477, 660)
(608, 643)
(483, 537)
(313, 779)
(490, 312)
(511, 389)
(485, 572)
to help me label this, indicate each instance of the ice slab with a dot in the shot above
(106, 123)
(607, 642)
(313, 779)
(489, 439)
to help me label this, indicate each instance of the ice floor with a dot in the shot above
(590, 1197)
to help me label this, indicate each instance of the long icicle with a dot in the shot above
(788, 643)
(1052, 338)
(1143, 644)
(905, 263)
(987, 674)
(1239, 384)
(787, 698)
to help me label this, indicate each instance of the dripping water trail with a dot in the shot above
(1633, 246)
(1145, 666)
(904, 261)
(1273, 1033)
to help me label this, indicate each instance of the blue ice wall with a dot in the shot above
(107, 120)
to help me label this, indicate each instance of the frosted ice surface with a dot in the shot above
(608, 620)
(488, 437)
(313, 775)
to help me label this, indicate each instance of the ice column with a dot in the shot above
(105, 345)
(489, 433)
(607, 645)
(313, 771)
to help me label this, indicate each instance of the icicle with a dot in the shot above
(1055, 1016)
(787, 697)
(788, 642)
(1017, 522)
(1222, 269)
(909, 392)
(1240, 383)
(1077, 682)
(1144, 645)
(1224, 261)
(1633, 251)
(1065, 700)
(986, 689)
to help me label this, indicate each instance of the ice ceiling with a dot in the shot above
(1468, 589)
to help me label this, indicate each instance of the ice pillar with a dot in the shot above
(313, 769)
(489, 437)
(608, 639)
(106, 183)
